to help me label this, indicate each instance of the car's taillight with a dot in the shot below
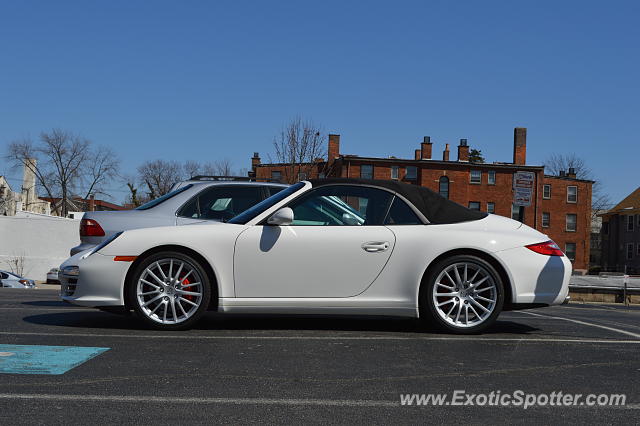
(90, 228)
(548, 248)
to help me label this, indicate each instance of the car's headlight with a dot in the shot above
(101, 245)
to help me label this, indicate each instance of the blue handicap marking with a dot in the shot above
(35, 359)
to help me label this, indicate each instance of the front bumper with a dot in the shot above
(100, 281)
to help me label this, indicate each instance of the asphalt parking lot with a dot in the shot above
(257, 369)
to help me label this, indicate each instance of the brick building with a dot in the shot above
(560, 205)
(620, 233)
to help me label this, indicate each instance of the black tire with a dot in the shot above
(464, 293)
(137, 301)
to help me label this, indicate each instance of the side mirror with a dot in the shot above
(283, 216)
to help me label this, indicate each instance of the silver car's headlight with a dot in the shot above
(101, 245)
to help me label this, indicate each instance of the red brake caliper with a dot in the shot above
(188, 296)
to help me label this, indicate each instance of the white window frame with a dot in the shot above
(629, 254)
(491, 210)
(546, 188)
(574, 223)
(279, 173)
(479, 181)
(548, 219)
(491, 177)
(395, 172)
(576, 194)
(631, 221)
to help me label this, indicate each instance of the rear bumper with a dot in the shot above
(536, 278)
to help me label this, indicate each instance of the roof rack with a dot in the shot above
(232, 178)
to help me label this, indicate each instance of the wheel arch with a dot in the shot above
(215, 290)
(493, 261)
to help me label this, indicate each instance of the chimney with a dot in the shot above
(29, 196)
(334, 148)
(445, 153)
(520, 145)
(417, 155)
(425, 148)
(572, 173)
(463, 151)
(255, 160)
(92, 203)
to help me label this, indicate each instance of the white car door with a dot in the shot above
(335, 247)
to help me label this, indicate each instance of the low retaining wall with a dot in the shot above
(42, 241)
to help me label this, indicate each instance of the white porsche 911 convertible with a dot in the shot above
(331, 246)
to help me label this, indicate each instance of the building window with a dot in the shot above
(394, 172)
(629, 251)
(302, 176)
(412, 173)
(517, 213)
(546, 219)
(474, 205)
(443, 186)
(491, 177)
(366, 171)
(572, 194)
(476, 176)
(572, 220)
(546, 192)
(630, 221)
(276, 176)
(570, 251)
(491, 207)
(321, 175)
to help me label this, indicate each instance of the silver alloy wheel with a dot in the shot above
(169, 291)
(465, 294)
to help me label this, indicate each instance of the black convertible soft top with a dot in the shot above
(434, 207)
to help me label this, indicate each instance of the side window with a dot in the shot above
(3, 276)
(275, 189)
(221, 202)
(341, 205)
(401, 214)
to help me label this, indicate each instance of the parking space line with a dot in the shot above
(402, 338)
(589, 324)
(241, 401)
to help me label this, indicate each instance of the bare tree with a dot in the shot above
(66, 165)
(16, 264)
(298, 148)
(556, 163)
(159, 176)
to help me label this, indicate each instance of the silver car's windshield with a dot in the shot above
(164, 198)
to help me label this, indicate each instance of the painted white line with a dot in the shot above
(417, 338)
(241, 401)
(195, 400)
(52, 308)
(589, 324)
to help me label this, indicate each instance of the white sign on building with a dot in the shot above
(523, 185)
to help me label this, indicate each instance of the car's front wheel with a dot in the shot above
(169, 290)
(464, 294)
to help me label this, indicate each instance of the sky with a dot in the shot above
(206, 80)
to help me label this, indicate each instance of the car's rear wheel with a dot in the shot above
(464, 294)
(169, 290)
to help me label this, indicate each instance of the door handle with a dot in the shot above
(375, 246)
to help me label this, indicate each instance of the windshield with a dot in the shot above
(164, 198)
(265, 204)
